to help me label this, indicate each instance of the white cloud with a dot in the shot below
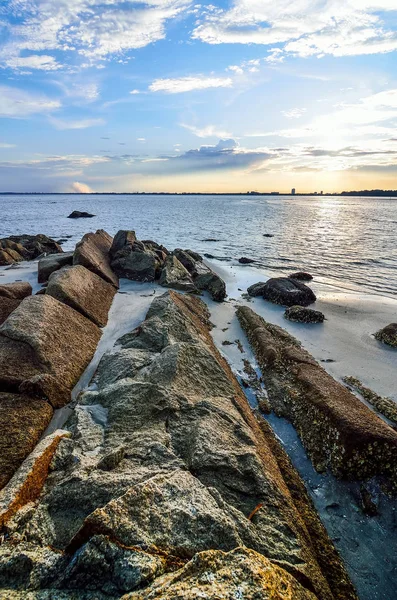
(207, 131)
(16, 103)
(76, 124)
(81, 188)
(141, 139)
(188, 84)
(94, 29)
(4, 145)
(304, 27)
(35, 61)
(294, 113)
(134, 92)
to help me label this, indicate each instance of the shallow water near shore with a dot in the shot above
(349, 242)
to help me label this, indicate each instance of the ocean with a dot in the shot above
(348, 242)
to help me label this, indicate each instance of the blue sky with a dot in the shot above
(174, 95)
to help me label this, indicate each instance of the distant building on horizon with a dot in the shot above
(293, 191)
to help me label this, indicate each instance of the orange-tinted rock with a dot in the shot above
(84, 291)
(338, 431)
(7, 305)
(44, 348)
(92, 252)
(19, 289)
(22, 421)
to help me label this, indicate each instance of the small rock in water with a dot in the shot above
(268, 235)
(76, 214)
(299, 314)
(210, 240)
(301, 276)
(245, 261)
(388, 335)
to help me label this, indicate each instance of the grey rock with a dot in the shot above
(92, 252)
(175, 275)
(388, 335)
(77, 214)
(301, 276)
(112, 459)
(288, 292)
(257, 289)
(51, 263)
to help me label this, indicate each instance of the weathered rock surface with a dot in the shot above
(301, 276)
(84, 291)
(44, 348)
(77, 214)
(92, 252)
(388, 335)
(241, 573)
(300, 314)
(136, 260)
(11, 296)
(26, 247)
(49, 264)
(288, 292)
(257, 289)
(338, 431)
(174, 275)
(27, 483)
(22, 421)
(208, 280)
(188, 469)
(18, 290)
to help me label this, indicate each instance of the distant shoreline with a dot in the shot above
(363, 193)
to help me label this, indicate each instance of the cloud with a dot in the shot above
(4, 145)
(17, 104)
(81, 188)
(188, 84)
(135, 92)
(294, 113)
(207, 131)
(93, 29)
(304, 28)
(76, 124)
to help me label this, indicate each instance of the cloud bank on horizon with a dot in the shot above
(173, 95)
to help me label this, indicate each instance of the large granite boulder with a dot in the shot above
(22, 421)
(92, 252)
(339, 431)
(388, 335)
(241, 573)
(11, 296)
(188, 259)
(174, 275)
(26, 247)
(208, 280)
(136, 260)
(84, 291)
(51, 263)
(288, 292)
(44, 348)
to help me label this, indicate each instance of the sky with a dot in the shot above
(172, 95)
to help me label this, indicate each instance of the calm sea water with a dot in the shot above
(350, 242)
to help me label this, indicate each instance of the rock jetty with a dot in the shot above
(168, 486)
(338, 431)
(46, 342)
(148, 261)
(16, 248)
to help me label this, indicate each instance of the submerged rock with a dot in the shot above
(44, 348)
(301, 276)
(300, 314)
(176, 276)
(288, 292)
(49, 264)
(92, 252)
(22, 421)
(84, 291)
(338, 431)
(245, 261)
(388, 335)
(77, 214)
